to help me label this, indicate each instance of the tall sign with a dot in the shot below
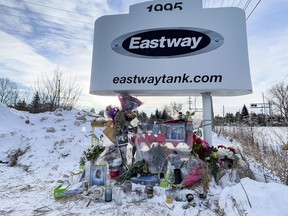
(171, 47)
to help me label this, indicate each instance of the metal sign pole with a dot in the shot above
(207, 116)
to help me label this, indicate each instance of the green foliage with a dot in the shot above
(21, 105)
(93, 151)
(140, 168)
(213, 162)
(159, 116)
(142, 117)
(244, 112)
(286, 146)
(200, 148)
(35, 104)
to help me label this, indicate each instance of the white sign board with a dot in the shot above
(168, 47)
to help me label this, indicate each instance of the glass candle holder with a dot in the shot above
(108, 195)
(117, 194)
(127, 187)
(149, 191)
(97, 194)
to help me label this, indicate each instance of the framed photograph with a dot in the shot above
(98, 175)
(122, 139)
(176, 132)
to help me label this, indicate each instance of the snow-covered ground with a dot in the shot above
(53, 143)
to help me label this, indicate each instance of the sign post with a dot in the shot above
(207, 116)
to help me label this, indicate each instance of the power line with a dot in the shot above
(13, 8)
(41, 20)
(13, 30)
(243, 4)
(239, 3)
(30, 18)
(222, 3)
(246, 4)
(253, 9)
(57, 9)
(233, 2)
(58, 17)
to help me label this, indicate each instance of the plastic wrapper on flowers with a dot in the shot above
(195, 175)
(229, 156)
(152, 150)
(128, 102)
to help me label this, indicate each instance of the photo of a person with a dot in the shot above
(176, 132)
(98, 175)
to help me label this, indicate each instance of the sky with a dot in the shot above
(50, 156)
(36, 37)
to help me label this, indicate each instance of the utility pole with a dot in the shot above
(58, 93)
(195, 104)
(262, 106)
(189, 102)
(263, 103)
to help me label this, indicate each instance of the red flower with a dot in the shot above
(232, 149)
(196, 139)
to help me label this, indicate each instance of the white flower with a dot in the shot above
(223, 152)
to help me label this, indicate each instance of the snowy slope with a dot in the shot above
(53, 143)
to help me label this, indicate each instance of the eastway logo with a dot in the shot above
(167, 43)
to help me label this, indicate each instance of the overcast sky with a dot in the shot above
(37, 36)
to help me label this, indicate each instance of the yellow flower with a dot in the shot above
(214, 155)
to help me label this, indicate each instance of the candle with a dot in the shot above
(149, 191)
(108, 195)
(177, 175)
(117, 194)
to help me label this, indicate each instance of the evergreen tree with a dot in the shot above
(142, 117)
(35, 104)
(244, 113)
(165, 115)
(21, 105)
(101, 112)
(238, 116)
(229, 118)
(157, 115)
(152, 119)
(155, 118)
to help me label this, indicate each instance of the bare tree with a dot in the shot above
(176, 107)
(167, 109)
(70, 95)
(278, 96)
(8, 92)
(57, 91)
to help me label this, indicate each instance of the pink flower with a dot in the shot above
(194, 176)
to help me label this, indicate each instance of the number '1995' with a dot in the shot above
(165, 7)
